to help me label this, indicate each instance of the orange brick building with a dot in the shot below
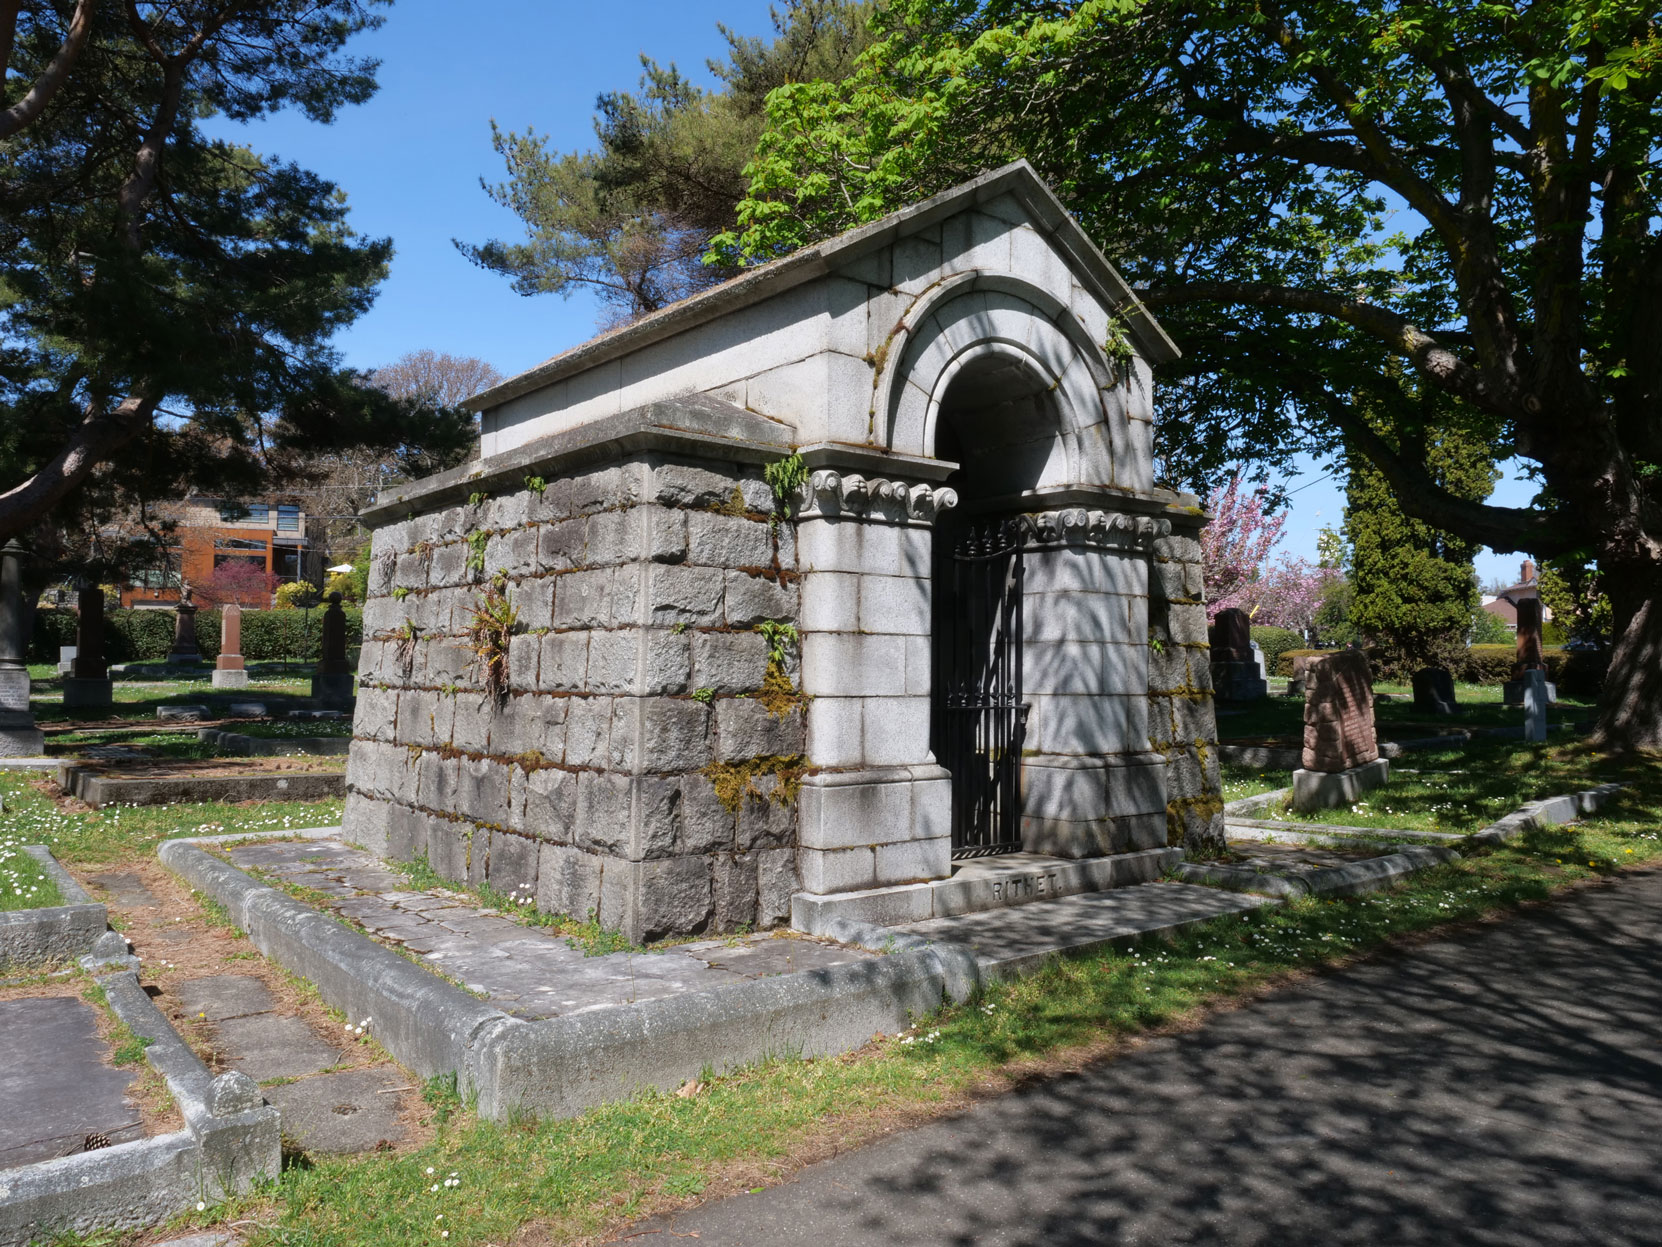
(210, 533)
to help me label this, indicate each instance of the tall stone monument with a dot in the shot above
(1531, 655)
(185, 651)
(332, 681)
(89, 681)
(229, 671)
(1235, 672)
(19, 737)
(1341, 751)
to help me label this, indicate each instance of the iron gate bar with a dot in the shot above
(985, 720)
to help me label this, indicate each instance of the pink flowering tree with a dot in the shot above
(1235, 544)
(1288, 593)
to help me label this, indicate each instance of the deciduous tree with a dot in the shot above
(1314, 195)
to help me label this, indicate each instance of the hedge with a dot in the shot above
(147, 635)
(1275, 642)
(1578, 673)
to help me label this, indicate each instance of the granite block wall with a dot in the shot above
(1182, 723)
(629, 772)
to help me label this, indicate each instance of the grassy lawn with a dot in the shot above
(1283, 717)
(24, 884)
(584, 1176)
(296, 727)
(139, 699)
(553, 1182)
(1240, 781)
(96, 837)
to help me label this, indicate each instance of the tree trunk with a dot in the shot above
(1630, 707)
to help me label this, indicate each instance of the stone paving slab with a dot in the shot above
(220, 997)
(343, 1112)
(266, 1045)
(55, 1088)
(1012, 939)
(1282, 858)
(125, 890)
(529, 972)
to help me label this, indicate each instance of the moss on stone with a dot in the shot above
(734, 781)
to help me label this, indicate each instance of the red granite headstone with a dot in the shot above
(230, 639)
(1338, 713)
(1232, 636)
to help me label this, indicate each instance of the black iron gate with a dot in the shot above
(983, 716)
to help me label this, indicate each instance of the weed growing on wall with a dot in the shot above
(785, 477)
(491, 623)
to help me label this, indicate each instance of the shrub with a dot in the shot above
(296, 594)
(147, 635)
(1283, 665)
(1275, 642)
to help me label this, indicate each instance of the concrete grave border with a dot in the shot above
(231, 1140)
(1375, 873)
(562, 1066)
(99, 790)
(32, 937)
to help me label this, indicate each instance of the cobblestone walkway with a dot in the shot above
(526, 971)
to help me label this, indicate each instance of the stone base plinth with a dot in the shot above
(332, 690)
(1080, 807)
(22, 742)
(85, 692)
(225, 677)
(1326, 790)
(1512, 692)
(1238, 681)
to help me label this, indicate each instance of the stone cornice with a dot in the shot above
(1090, 526)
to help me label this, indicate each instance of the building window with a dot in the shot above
(238, 543)
(288, 519)
(244, 513)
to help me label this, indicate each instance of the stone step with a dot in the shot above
(1015, 940)
(987, 883)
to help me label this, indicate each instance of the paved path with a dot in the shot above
(1500, 1087)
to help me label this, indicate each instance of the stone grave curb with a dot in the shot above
(231, 1140)
(29, 764)
(30, 937)
(1380, 872)
(100, 790)
(237, 744)
(1547, 812)
(428, 1024)
(561, 1066)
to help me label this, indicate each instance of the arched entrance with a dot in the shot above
(998, 420)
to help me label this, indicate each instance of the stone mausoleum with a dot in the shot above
(824, 584)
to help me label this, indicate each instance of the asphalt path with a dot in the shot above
(1500, 1086)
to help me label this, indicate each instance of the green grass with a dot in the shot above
(24, 883)
(117, 832)
(137, 700)
(1283, 717)
(1466, 790)
(296, 727)
(1248, 781)
(581, 1175)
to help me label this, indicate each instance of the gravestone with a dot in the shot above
(89, 681)
(1535, 701)
(185, 651)
(1341, 751)
(1434, 691)
(229, 671)
(1263, 664)
(332, 681)
(1531, 655)
(1236, 671)
(66, 659)
(19, 737)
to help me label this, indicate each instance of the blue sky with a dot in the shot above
(410, 162)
